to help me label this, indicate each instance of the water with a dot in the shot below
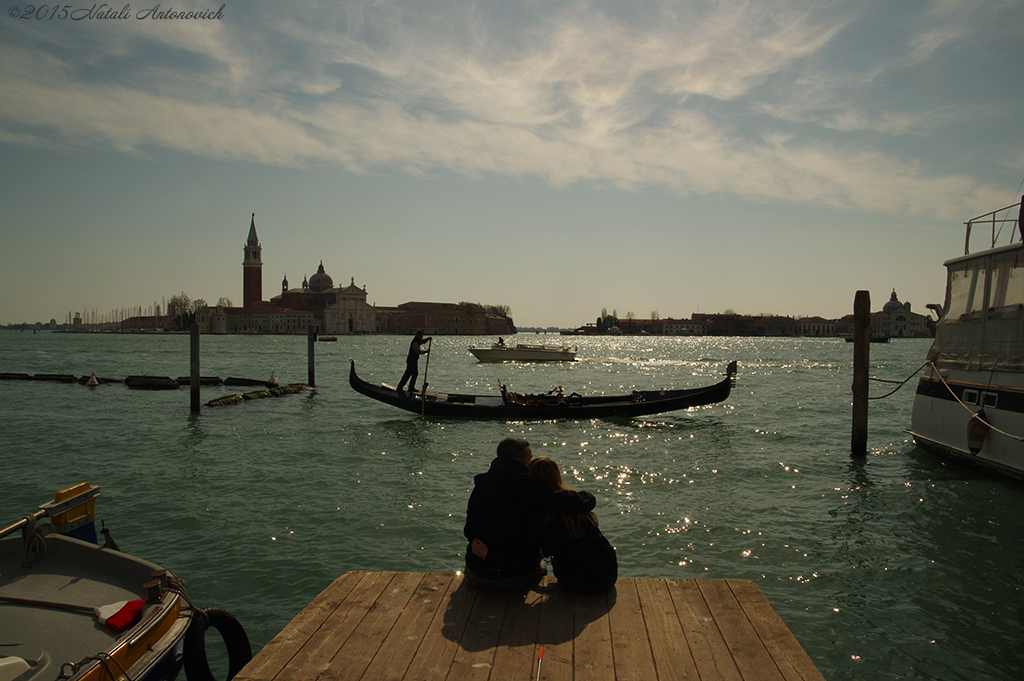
(896, 566)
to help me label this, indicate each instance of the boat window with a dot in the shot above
(966, 290)
(970, 397)
(991, 400)
(1014, 289)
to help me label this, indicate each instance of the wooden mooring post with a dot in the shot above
(861, 359)
(310, 352)
(194, 367)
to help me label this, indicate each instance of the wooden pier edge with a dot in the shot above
(374, 625)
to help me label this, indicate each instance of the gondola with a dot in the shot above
(552, 405)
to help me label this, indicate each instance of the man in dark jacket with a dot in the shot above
(412, 361)
(504, 514)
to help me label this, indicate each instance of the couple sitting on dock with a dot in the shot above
(519, 512)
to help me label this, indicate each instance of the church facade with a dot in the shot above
(318, 303)
(335, 310)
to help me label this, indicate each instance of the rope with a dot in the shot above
(884, 380)
(31, 541)
(177, 585)
(971, 411)
(69, 669)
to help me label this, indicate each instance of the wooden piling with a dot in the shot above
(194, 374)
(310, 352)
(861, 359)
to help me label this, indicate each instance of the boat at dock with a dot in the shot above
(73, 609)
(969, 404)
(551, 405)
(524, 352)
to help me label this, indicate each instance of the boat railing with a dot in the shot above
(997, 220)
(51, 509)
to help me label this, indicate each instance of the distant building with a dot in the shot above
(903, 322)
(335, 310)
(449, 319)
(340, 310)
(815, 327)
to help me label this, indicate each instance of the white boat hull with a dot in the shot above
(943, 409)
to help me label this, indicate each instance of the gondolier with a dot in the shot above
(412, 361)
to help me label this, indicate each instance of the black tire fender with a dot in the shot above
(197, 667)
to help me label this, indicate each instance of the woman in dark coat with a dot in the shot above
(582, 559)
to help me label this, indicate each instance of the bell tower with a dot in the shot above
(252, 268)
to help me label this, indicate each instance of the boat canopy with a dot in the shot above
(982, 325)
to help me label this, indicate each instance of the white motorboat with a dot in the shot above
(521, 352)
(72, 609)
(969, 404)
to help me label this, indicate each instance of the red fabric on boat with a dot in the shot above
(126, 616)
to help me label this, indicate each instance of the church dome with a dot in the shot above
(893, 304)
(321, 281)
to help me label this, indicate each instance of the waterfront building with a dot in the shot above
(904, 323)
(260, 317)
(448, 319)
(338, 310)
(816, 327)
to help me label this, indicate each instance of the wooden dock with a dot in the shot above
(425, 627)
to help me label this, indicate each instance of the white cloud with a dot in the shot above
(726, 98)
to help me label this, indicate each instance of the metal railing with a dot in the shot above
(993, 220)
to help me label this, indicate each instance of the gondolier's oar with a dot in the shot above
(423, 393)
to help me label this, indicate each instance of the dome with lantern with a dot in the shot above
(321, 281)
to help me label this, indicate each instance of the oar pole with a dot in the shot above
(426, 369)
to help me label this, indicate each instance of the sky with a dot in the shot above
(559, 158)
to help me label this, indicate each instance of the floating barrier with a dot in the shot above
(269, 388)
(231, 380)
(203, 380)
(151, 383)
(280, 391)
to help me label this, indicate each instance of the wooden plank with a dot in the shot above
(277, 654)
(474, 658)
(749, 654)
(517, 644)
(366, 639)
(630, 646)
(411, 627)
(556, 633)
(444, 634)
(315, 656)
(399, 647)
(710, 653)
(792, 660)
(592, 650)
(672, 656)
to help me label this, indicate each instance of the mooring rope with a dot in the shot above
(31, 541)
(971, 411)
(885, 380)
(69, 669)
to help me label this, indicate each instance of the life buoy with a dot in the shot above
(197, 667)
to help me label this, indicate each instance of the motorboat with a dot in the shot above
(73, 609)
(969, 404)
(551, 405)
(524, 352)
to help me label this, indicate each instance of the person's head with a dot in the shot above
(419, 335)
(515, 449)
(547, 471)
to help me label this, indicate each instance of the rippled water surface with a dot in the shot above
(894, 566)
